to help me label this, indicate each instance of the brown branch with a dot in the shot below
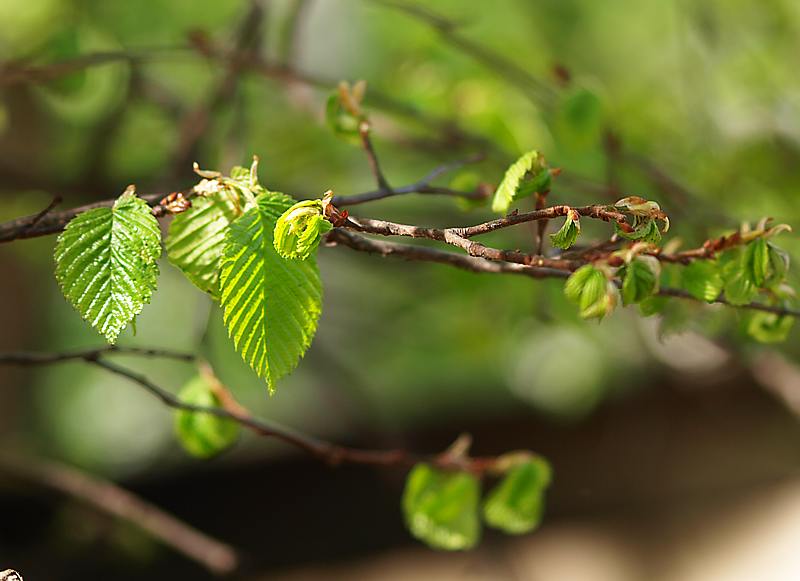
(682, 294)
(340, 236)
(27, 358)
(329, 452)
(30, 222)
(372, 158)
(55, 222)
(217, 557)
(422, 186)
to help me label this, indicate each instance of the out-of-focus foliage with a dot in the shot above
(707, 91)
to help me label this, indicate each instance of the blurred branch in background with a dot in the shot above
(108, 497)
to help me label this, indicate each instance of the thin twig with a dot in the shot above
(372, 158)
(217, 557)
(26, 358)
(329, 452)
(29, 223)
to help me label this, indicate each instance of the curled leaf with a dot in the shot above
(516, 504)
(441, 508)
(640, 279)
(202, 434)
(591, 289)
(569, 232)
(299, 229)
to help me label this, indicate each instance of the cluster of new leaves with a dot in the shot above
(442, 507)
(270, 294)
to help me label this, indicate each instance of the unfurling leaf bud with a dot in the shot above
(299, 229)
(594, 292)
(568, 233)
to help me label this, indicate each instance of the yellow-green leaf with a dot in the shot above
(201, 434)
(441, 508)
(270, 304)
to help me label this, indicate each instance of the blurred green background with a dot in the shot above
(693, 104)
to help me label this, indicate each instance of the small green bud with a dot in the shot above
(299, 229)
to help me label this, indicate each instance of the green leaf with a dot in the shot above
(652, 305)
(595, 295)
(768, 327)
(300, 228)
(516, 504)
(106, 263)
(646, 231)
(702, 279)
(738, 276)
(756, 257)
(527, 175)
(778, 266)
(441, 508)
(568, 233)
(196, 237)
(201, 434)
(270, 305)
(640, 279)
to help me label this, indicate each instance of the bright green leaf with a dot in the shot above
(568, 233)
(106, 263)
(740, 289)
(640, 279)
(702, 279)
(441, 508)
(756, 257)
(768, 327)
(516, 504)
(300, 228)
(270, 305)
(201, 434)
(595, 295)
(196, 237)
(527, 175)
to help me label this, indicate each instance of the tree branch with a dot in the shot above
(328, 452)
(217, 557)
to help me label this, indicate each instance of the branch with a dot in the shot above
(340, 236)
(27, 358)
(332, 454)
(217, 557)
(44, 224)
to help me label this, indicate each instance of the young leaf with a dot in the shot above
(595, 295)
(769, 327)
(527, 175)
(106, 263)
(201, 434)
(740, 289)
(270, 305)
(196, 237)
(702, 279)
(441, 508)
(756, 258)
(640, 279)
(300, 228)
(516, 504)
(778, 266)
(568, 233)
